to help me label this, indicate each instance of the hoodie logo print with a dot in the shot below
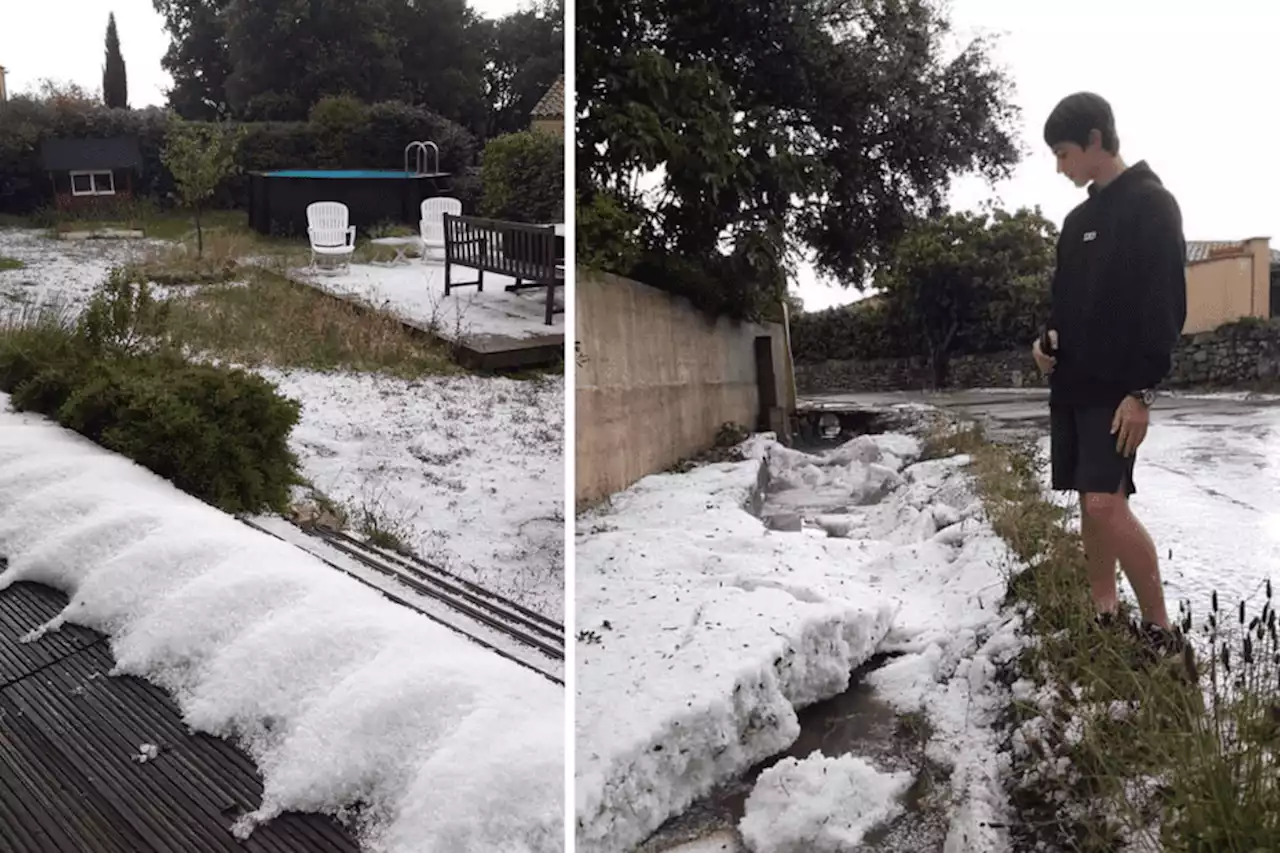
(1090, 236)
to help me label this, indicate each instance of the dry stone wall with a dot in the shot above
(1242, 354)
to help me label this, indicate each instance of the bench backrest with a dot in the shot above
(327, 223)
(515, 249)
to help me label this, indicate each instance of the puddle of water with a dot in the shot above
(854, 723)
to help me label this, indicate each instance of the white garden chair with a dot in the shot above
(328, 231)
(432, 223)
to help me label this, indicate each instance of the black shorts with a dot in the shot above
(1082, 450)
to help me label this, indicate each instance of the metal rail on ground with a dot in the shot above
(494, 616)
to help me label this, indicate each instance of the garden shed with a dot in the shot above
(86, 171)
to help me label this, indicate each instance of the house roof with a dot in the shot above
(552, 103)
(63, 155)
(1200, 250)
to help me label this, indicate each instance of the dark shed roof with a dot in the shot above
(63, 155)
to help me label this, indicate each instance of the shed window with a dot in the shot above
(93, 183)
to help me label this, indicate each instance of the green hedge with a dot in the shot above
(375, 139)
(861, 331)
(523, 177)
(216, 433)
(874, 329)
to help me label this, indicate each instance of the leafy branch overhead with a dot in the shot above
(826, 126)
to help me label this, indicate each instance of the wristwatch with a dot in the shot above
(1146, 396)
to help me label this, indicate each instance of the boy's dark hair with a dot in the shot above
(1076, 115)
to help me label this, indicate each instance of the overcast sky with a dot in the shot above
(64, 39)
(1194, 91)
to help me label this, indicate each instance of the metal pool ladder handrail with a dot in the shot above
(420, 160)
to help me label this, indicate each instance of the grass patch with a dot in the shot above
(256, 317)
(269, 320)
(177, 264)
(155, 222)
(10, 264)
(174, 225)
(1114, 746)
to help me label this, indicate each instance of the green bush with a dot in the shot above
(607, 233)
(861, 331)
(221, 435)
(337, 123)
(216, 433)
(468, 188)
(523, 177)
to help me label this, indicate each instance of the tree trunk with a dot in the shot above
(940, 356)
(199, 236)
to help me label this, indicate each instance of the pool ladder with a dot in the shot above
(420, 159)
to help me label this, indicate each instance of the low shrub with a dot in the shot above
(219, 434)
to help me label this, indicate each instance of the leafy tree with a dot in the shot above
(288, 54)
(525, 56)
(115, 82)
(200, 157)
(778, 124)
(443, 50)
(65, 95)
(971, 281)
(274, 59)
(198, 58)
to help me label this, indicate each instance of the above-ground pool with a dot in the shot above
(278, 200)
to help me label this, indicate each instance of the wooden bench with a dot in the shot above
(524, 252)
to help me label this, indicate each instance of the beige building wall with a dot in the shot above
(656, 379)
(554, 126)
(1228, 286)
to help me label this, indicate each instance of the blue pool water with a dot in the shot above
(340, 173)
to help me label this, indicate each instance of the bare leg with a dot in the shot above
(1132, 545)
(1100, 559)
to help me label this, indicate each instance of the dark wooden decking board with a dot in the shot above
(68, 737)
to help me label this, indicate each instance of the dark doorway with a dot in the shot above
(766, 381)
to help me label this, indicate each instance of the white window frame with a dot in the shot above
(94, 188)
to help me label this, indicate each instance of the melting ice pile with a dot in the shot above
(703, 633)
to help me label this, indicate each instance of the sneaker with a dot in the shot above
(1107, 621)
(1164, 641)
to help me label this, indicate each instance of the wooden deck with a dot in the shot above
(69, 781)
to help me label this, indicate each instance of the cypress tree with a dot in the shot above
(115, 84)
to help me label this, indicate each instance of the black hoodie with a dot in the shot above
(1119, 290)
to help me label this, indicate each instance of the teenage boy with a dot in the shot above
(1119, 302)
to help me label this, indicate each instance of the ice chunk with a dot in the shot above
(819, 805)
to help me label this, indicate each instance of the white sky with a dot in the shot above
(64, 39)
(1193, 87)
